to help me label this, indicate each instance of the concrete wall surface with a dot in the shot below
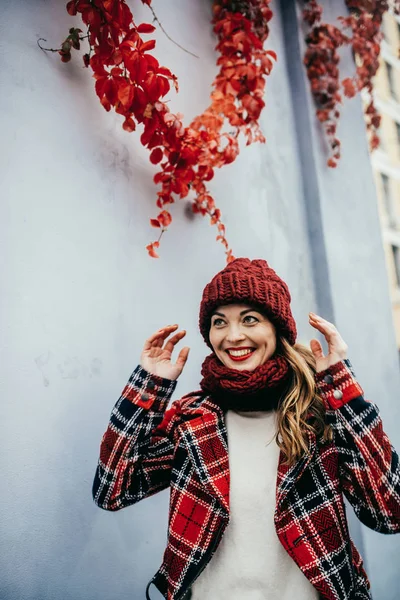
(81, 294)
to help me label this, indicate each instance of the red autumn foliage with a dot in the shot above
(151, 249)
(365, 21)
(131, 81)
(361, 30)
(321, 60)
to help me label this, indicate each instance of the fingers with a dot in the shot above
(159, 336)
(169, 346)
(182, 357)
(316, 349)
(324, 326)
(331, 334)
(158, 343)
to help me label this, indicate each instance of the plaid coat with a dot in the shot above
(148, 447)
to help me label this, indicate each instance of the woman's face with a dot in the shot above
(241, 336)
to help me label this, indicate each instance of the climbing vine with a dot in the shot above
(130, 80)
(361, 30)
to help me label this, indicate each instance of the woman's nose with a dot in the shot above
(235, 334)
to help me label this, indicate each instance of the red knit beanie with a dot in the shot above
(252, 282)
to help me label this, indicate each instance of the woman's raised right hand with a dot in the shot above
(156, 357)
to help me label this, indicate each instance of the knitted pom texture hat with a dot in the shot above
(251, 282)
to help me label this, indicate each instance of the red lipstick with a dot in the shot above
(240, 358)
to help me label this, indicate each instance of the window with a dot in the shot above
(390, 76)
(388, 200)
(398, 132)
(396, 260)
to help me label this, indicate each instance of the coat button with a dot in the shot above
(328, 379)
(338, 394)
(151, 385)
(145, 397)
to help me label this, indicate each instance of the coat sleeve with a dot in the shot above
(136, 451)
(369, 467)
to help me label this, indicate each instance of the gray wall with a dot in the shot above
(82, 295)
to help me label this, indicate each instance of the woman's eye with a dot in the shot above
(216, 321)
(251, 317)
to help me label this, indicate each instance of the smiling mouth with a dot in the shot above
(238, 355)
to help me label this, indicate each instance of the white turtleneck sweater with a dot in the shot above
(250, 563)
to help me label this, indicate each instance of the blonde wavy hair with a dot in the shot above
(299, 402)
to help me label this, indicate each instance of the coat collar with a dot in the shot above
(204, 432)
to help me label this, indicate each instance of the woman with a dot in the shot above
(266, 518)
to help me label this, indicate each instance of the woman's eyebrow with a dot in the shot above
(243, 312)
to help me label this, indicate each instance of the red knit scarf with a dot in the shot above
(260, 389)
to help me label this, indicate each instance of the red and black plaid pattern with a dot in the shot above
(337, 385)
(148, 447)
(130, 468)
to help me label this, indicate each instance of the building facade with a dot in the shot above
(386, 159)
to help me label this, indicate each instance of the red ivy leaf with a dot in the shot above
(155, 223)
(349, 88)
(163, 86)
(140, 100)
(91, 17)
(99, 86)
(117, 57)
(129, 125)
(152, 86)
(206, 173)
(71, 8)
(152, 63)
(146, 28)
(156, 156)
(221, 228)
(165, 218)
(151, 251)
(105, 103)
(65, 56)
(125, 93)
(164, 71)
(149, 45)
(111, 90)
(215, 217)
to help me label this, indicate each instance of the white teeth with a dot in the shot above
(239, 352)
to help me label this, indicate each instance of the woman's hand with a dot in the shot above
(156, 358)
(337, 348)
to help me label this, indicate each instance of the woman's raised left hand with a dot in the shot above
(337, 348)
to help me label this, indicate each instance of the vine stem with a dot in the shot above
(57, 49)
(47, 49)
(155, 18)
